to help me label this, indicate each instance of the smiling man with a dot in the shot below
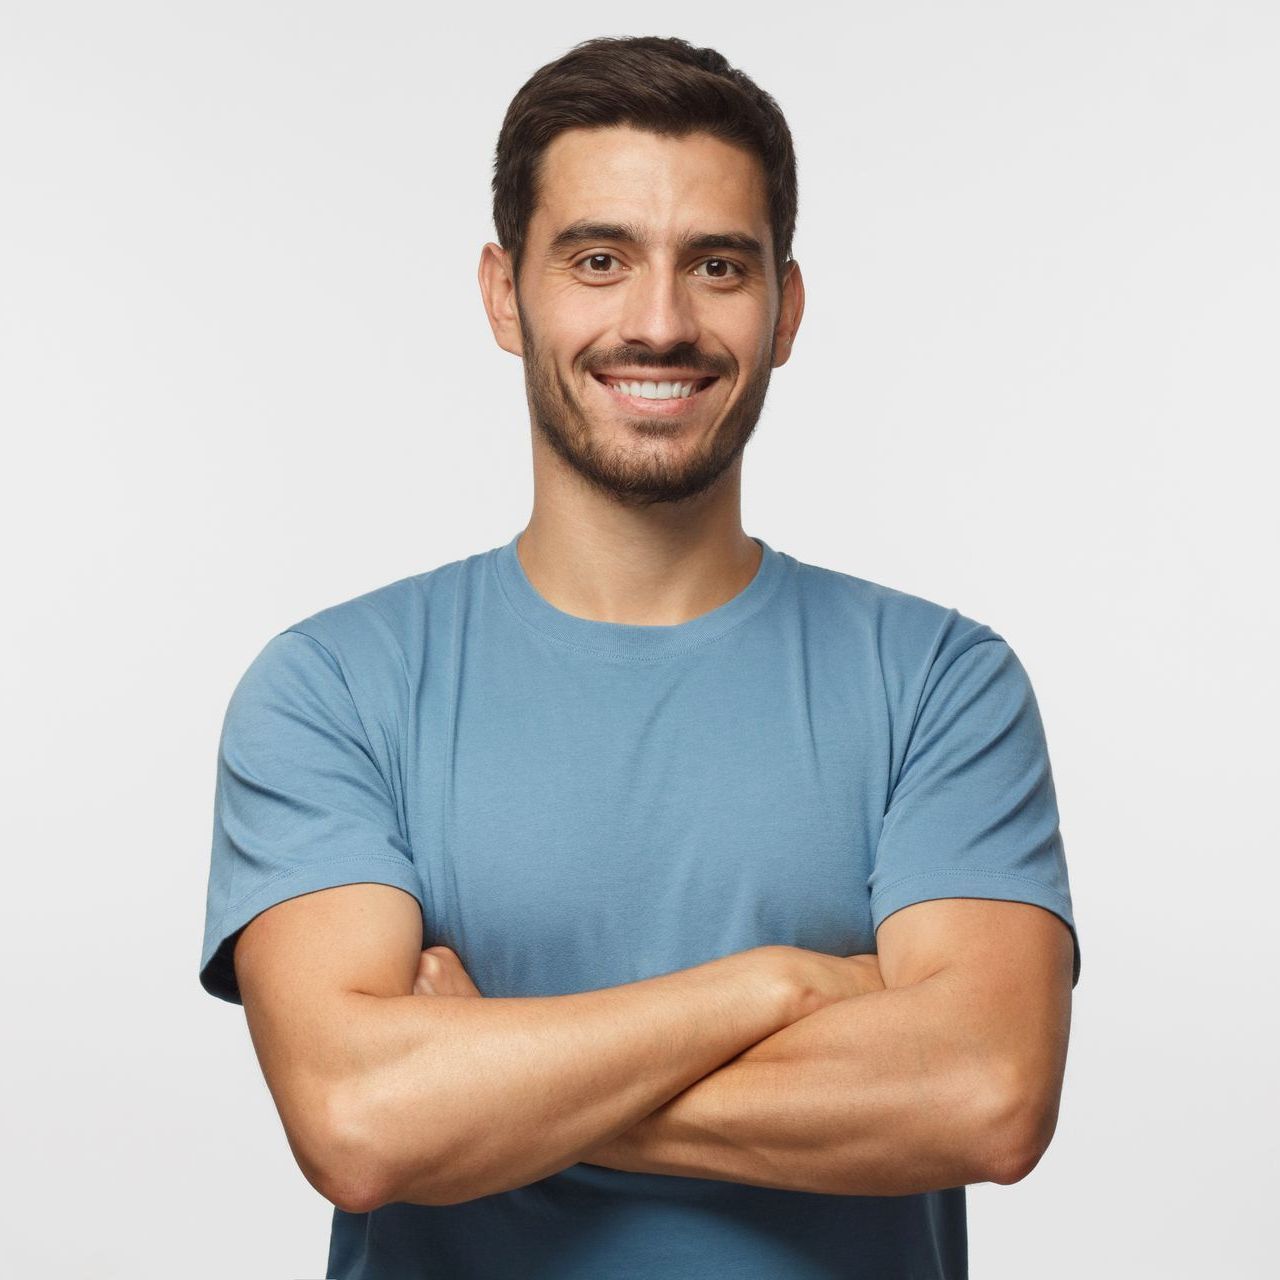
(633, 898)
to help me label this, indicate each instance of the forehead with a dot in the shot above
(667, 185)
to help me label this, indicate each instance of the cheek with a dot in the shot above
(571, 308)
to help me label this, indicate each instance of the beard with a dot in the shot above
(638, 475)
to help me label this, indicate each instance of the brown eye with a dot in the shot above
(723, 268)
(597, 257)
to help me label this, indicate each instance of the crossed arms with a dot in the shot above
(942, 1082)
(945, 1070)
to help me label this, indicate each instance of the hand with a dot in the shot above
(440, 973)
(823, 979)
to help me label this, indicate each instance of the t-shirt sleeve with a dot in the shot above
(973, 812)
(301, 801)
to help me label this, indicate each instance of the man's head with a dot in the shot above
(645, 201)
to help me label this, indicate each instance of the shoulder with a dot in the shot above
(905, 635)
(375, 642)
(391, 622)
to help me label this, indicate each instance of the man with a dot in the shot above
(750, 934)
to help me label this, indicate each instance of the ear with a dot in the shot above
(789, 313)
(498, 290)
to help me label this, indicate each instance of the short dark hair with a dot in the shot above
(660, 84)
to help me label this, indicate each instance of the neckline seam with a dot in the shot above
(626, 655)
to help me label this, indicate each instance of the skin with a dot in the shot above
(442, 973)
(636, 518)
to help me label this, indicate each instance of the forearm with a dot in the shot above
(881, 1094)
(457, 1098)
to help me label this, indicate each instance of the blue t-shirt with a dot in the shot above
(579, 804)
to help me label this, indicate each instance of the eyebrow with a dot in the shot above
(584, 232)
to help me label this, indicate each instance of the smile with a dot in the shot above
(654, 397)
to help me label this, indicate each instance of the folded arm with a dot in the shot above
(949, 1076)
(389, 1097)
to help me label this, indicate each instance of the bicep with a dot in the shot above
(1009, 966)
(299, 965)
(1010, 943)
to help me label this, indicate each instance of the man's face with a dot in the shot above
(648, 260)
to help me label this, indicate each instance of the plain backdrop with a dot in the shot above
(246, 374)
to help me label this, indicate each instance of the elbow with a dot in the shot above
(365, 1165)
(1012, 1165)
(355, 1195)
(1020, 1134)
(351, 1171)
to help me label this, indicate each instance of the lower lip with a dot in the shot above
(669, 408)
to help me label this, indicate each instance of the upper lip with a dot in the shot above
(654, 375)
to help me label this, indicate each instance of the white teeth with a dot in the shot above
(655, 390)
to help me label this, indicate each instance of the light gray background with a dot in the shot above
(247, 374)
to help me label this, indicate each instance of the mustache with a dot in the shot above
(632, 359)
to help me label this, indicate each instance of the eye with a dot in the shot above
(592, 259)
(732, 268)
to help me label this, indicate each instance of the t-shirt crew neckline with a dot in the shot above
(633, 641)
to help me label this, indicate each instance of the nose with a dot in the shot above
(659, 311)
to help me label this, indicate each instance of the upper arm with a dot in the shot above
(297, 965)
(969, 881)
(1008, 966)
(313, 892)
(973, 811)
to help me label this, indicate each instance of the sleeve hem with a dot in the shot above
(217, 973)
(962, 882)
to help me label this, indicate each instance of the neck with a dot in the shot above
(634, 567)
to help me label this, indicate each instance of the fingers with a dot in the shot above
(440, 972)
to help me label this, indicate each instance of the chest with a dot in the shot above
(585, 833)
